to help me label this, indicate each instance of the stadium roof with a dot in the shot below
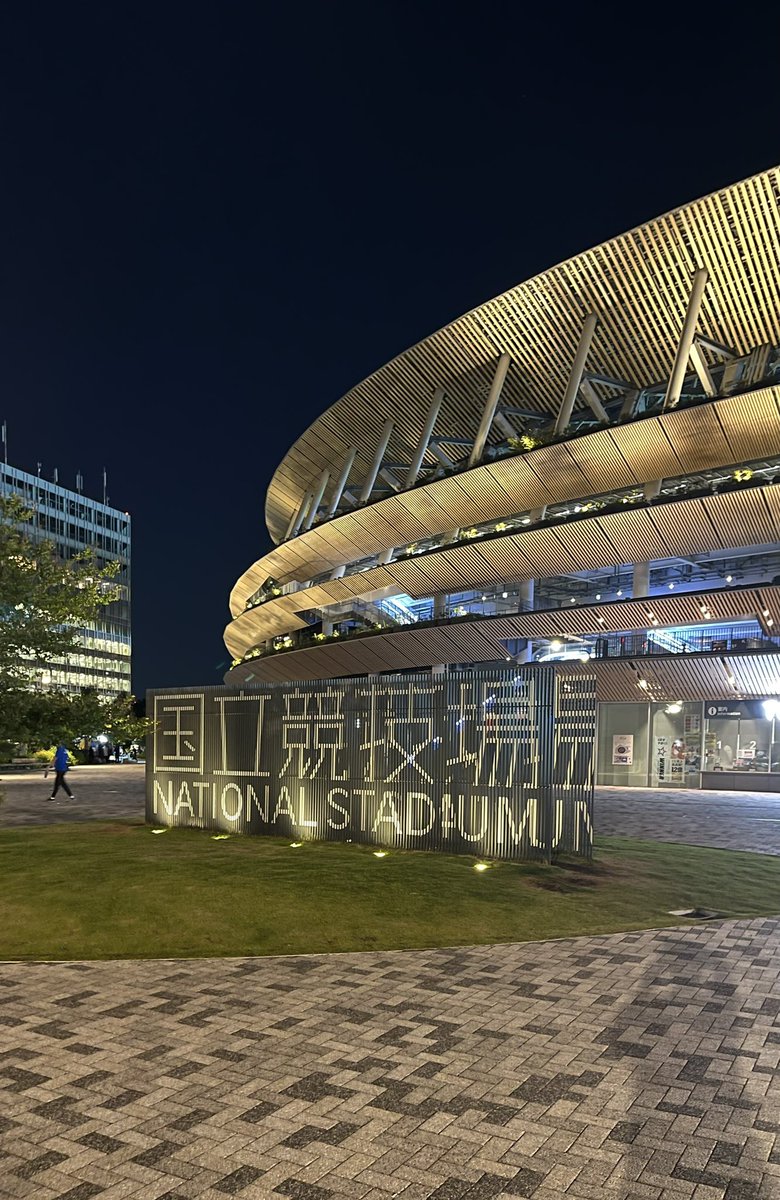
(638, 284)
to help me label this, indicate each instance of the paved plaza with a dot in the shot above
(110, 792)
(732, 820)
(639, 1066)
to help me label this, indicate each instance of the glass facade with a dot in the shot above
(741, 738)
(690, 744)
(75, 523)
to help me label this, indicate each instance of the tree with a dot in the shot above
(37, 719)
(121, 719)
(89, 715)
(42, 719)
(86, 714)
(43, 599)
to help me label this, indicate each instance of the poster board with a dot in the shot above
(663, 750)
(622, 749)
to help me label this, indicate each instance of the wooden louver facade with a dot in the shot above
(638, 287)
(638, 284)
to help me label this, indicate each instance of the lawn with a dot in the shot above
(115, 890)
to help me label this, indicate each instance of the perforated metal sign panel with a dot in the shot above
(492, 763)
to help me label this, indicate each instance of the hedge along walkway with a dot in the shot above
(113, 890)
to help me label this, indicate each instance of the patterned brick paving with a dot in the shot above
(641, 1066)
(730, 820)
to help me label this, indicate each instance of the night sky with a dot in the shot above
(216, 219)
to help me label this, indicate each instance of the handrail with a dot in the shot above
(677, 488)
(608, 645)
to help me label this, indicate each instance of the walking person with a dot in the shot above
(60, 768)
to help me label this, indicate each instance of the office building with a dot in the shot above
(75, 523)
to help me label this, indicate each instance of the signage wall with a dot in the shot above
(481, 762)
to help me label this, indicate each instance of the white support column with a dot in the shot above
(652, 490)
(368, 486)
(316, 500)
(699, 364)
(337, 574)
(677, 377)
(425, 437)
(577, 369)
(593, 402)
(301, 513)
(295, 517)
(338, 490)
(528, 653)
(628, 405)
(640, 585)
(489, 411)
(443, 458)
(506, 427)
(526, 590)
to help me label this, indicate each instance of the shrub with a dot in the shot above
(47, 756)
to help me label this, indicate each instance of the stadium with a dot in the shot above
(584, 470)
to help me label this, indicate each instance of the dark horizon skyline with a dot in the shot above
(219, 222)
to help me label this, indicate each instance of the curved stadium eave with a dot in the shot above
(637, 283)
(728, 431)
(658, 531)
(653, 364)
(483, 639)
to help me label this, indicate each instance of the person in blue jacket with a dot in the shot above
(60, 767)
